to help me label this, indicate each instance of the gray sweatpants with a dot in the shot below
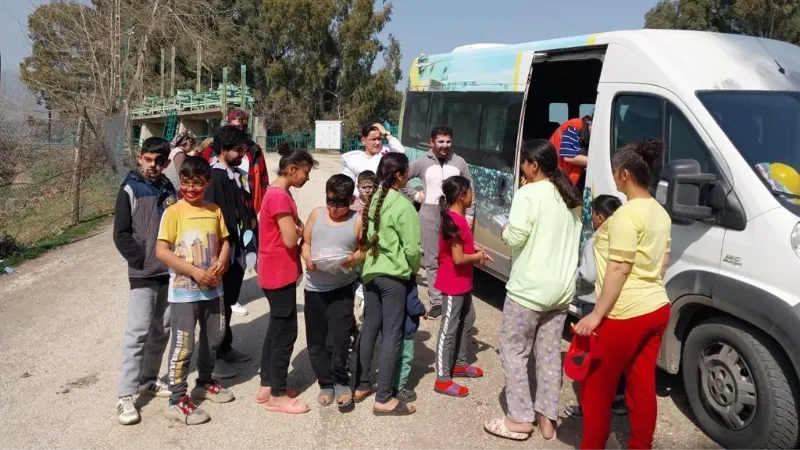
(145, 339)
(430, 218)
(523, 331)
(185, 316)
(458, 318)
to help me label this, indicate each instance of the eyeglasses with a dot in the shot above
(337, 203)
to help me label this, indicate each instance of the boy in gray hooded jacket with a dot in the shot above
(142, 198)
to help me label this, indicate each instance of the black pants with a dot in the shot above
(281, 336)
(384, 312)
(329, 324)
(231, 287)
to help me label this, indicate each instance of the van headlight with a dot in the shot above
(796, 239)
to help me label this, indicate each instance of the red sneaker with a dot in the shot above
(467, 371)
(450, 388)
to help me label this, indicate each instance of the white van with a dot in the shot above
(727, 109)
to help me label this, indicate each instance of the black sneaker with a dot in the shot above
(234, 356)
(574, 411)
(435, 313)
(406, 396)
(619, 407)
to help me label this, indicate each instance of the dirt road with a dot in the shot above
(62, 318)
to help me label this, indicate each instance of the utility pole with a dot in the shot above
(224, 92)
(172, 74)
(162, 72)
(199, 66)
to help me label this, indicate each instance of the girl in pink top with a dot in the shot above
(457, 255)
(279, 269)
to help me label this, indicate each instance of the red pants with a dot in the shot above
(628, 347)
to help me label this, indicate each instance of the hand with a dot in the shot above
(587, 325)
(381, 129)
(310, 266)
(471, 222)
(204, 277)
(350, 262)
(300, 228)
(219, 268)
(481, 258)
(488, 256)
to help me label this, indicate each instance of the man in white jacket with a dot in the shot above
(357, 161)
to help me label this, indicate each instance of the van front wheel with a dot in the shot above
(737, 383)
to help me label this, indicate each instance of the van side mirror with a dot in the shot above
(683, 189)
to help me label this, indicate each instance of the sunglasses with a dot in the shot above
(337, 203)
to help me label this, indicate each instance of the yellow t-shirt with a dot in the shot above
(195, 234)
(639, 234)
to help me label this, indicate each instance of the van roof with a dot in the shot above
(696, 59)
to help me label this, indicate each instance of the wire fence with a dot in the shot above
(55, 173)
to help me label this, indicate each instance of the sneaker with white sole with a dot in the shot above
(155, 388)
(213, 392)
(187, 412)
(239, 310)
(127, 414)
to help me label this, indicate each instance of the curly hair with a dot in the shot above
(640, 160)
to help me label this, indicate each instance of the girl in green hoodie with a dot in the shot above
(392, 240)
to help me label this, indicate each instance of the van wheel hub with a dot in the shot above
(727, 386)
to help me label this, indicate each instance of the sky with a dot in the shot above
(429, 26)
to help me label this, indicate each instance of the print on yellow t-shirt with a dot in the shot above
(194, 234)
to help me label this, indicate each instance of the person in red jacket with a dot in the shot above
(254, 162)
(571, 141)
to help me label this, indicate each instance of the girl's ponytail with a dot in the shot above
(452, 189)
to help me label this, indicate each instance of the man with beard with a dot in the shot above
(437, 165)
(229, 189)
(254, 165)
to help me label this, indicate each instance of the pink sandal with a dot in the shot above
(293, 407)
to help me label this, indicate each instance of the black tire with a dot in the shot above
(739, 357)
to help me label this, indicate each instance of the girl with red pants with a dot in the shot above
(632, 308)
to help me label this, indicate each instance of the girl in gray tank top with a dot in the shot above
(330, 245)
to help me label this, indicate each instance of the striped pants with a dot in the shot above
(458, 318)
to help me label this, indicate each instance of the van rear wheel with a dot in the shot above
(738, 385)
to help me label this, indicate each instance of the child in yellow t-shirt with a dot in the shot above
(192, 242)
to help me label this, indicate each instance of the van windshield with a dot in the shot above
(765, 127)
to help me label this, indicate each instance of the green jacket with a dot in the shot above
(399, 246)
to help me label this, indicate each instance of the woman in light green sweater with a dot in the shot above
(543, 232)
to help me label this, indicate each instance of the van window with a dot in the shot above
(638, 117)
(417, 121)
(493, 128)
(585, 110)
(465, 120)
(559, 112)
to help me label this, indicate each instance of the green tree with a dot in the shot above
(776, 19)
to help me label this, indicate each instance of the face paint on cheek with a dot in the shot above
(190, 193)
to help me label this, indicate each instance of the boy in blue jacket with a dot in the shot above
(414, 310)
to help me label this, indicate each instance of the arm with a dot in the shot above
(616, 274)
(414, 306)
(461, 259)
(570, 148)
(666, 259)
(177, 160)
(394, 144)
(305, 250)
(414, 171)
(520, 221)
(360, 254)
(587, 268)
(131, 250)
(289, 229)
(408, 227)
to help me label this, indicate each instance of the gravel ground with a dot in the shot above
(62, 318)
